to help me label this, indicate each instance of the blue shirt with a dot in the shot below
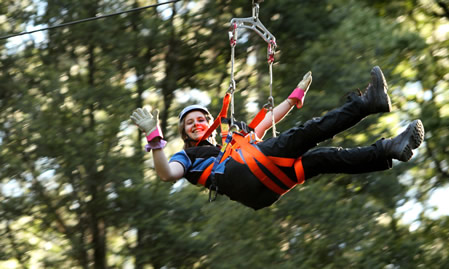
(196, 159)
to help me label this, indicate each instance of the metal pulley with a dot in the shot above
(253, 23)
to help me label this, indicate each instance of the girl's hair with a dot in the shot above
(188, 142)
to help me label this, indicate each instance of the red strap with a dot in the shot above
(228, 151)
(236, 156)
(206, 173)
(251, 163)
(223, 114)
(258, 118)
(281, 161)
(261, 158)
(299, 170)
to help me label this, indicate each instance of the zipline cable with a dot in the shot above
(88, 19)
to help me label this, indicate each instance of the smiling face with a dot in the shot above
(195, 125)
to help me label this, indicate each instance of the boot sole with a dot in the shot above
(415, 136)
(381, 85)
(418, 134)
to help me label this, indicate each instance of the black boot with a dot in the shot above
(400, 147)
(376, 98)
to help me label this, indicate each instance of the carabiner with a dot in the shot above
(233, 35)
(271, 50)
(213, 188)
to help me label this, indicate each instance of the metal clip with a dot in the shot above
(253, 138)
(271, 50)
(213, 188)
(233, 128)
(255, 11)
(231, 88)
(233, 34)
(270, 105)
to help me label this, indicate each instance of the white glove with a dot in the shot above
(145, 121)
(305, 82)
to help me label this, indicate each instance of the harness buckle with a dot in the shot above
(213, 188)
(253, 138)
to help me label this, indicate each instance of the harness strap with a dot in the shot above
(258, 118)
(291, 162)
(217, 121)
(263, 178)
(206, 173)
(263, 160)
(245, 153)
(279, 161)
(299, 170)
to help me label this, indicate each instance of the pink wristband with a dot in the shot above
(155, 145)
(299, 95)
(154, 134)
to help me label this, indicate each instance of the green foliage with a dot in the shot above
(76, 183)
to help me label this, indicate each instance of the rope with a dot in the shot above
(254, 23)
(232, 86)
(88, 19)
(271, 100)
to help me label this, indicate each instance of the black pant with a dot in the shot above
(300, 141)
(241, 185)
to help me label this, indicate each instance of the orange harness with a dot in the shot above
(240, 146)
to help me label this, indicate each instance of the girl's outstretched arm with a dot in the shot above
(296, 98)
(149, 123)
(166, 171)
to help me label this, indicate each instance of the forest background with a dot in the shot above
(78, 191)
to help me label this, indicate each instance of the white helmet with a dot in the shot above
(193, 108)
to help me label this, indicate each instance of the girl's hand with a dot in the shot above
(145, 121)
(298, 94)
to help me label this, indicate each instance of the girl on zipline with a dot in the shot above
(245, 177)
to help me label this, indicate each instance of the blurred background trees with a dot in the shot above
(78, 191)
